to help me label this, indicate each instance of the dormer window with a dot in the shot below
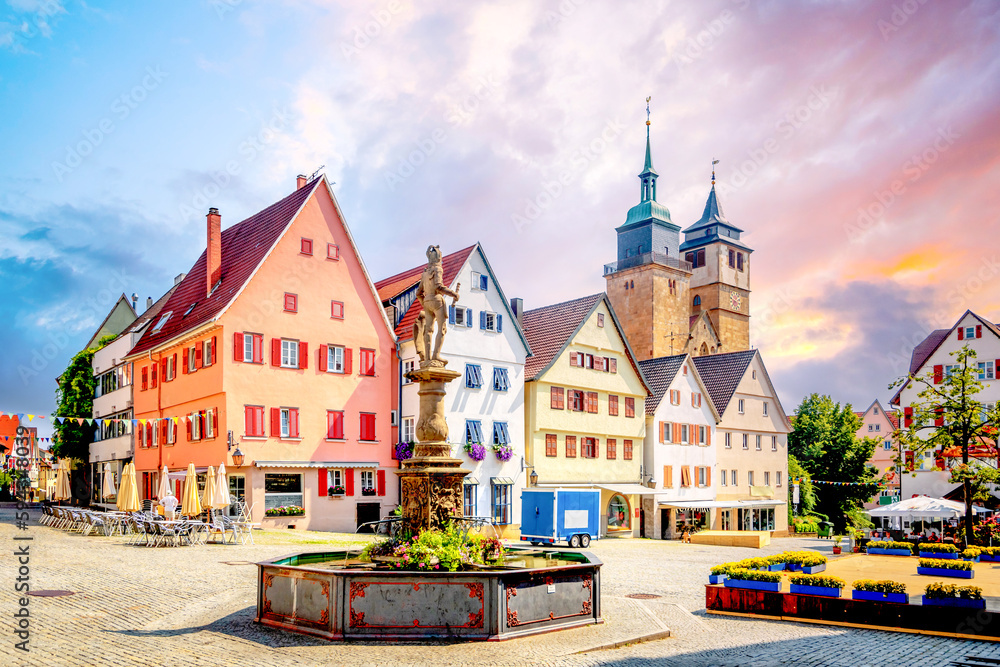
(163, 320)
(190, 308)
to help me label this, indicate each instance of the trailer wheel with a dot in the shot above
(585, 541)
(575, 541)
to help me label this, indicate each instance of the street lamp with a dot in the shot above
(238, 458)
(534, 478)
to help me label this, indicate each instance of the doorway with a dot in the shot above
(368, 512)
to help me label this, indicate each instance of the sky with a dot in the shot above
(859, 149)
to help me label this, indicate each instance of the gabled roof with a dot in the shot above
(550, 329)
(152, 311)
(660, 374)
(722, 373)
(244, 246)
(123, 314)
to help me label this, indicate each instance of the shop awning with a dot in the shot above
(624, 489)
(471, 481)
(694, 504)
(181, 474)
(501, 481)
(313, 464)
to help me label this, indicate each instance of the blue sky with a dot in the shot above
(450, 123)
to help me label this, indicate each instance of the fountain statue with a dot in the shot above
(431, 481)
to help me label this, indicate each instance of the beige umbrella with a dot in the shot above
(208, 500)
(190, 505)
(63, 491)
(221, 487)
(163, 488)
(129, 494)
(108, 483)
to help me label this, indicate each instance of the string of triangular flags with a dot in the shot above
(799, 480)
(88, 420)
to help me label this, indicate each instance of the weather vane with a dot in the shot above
(714, 162)
(647, 108)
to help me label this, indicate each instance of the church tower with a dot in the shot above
(720, 280)
(649, 283)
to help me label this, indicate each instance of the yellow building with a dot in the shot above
(585, 407)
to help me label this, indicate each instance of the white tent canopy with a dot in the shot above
(924, 506)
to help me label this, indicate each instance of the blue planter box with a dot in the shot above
(776, 567)
(935, 554)
(717, 578)
(986, 558)
(953, 602)
(900, 598)
(815, 590)
(815, 569)
(754, 585)
(942, 572)
(972, 560)
(890, 552)
(792, 567)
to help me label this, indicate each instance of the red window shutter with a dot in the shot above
(572, 359)
(175, 364)
(188, 422)
(349, 481)
(258, 349)
(303, 355)
(276, 422)
(329, 423)
(347, 361)
(293, 423)
(322, 358)
(338, 425)
(145, 378)
(938, 374)
(323, 479)
(197, 357)
(259, 421)
(939, 416)
(907, 417)
(979, 331)
(708, 435)
(163, 369)
(597, 448)
(238, 347)
(614, 366)
(961, 333)
(275, 351)
(380, 482)
(662, 424)
(213, 351)
(248, 420)
(215, 421)
(153, 385)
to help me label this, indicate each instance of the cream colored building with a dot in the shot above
(585, 407)
(751, 443)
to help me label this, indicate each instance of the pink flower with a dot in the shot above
(436, 567)
(422, 565)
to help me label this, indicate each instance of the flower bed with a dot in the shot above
(808, 562)
(753, 579)
(972, 553)
(817, 584)
(938, 567)
(950, 595)
(446, 549)
(989, 554)
(884, 590)
(937, 550)
(885, 548)
(285, 510)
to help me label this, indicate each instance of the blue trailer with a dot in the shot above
(560, 515)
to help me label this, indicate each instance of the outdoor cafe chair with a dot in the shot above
(46, 515)
(62, 518)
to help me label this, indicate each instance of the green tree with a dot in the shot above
(947, 415)
(825, 443)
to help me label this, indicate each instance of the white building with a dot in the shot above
(678, 449)
(486, 405)
(932, 359)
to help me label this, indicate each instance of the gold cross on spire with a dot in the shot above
(714, 162)
(647, 108)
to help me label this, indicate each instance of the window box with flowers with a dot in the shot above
(286, 510)
(337, 492)
(368, 491)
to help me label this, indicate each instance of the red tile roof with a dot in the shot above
(893, 417)
(548, 329)
(244, 246)
(393, 286)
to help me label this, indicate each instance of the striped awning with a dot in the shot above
(316, 464)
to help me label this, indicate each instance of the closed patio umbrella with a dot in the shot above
(63, 491)
(163, 488)
(108, 483)
(190, 504)
(128, 495)
(208, 500)
(221, 486)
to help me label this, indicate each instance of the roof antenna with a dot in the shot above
(315, 173)
(714, 162)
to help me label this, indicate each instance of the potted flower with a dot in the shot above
(889, 548)
(880, 591)
(719, 573)
(972, 553)
(753, 580)
(335, 491)
(950, 595)
(937, 550)
(937, 567)
(404, 451)
(368, 491)
(475, 451)
(776, 563)
(807, 562)
(503, 452)
(817, 584)
(837, 539)
(989, 554)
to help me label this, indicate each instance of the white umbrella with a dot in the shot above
(63, 490)
(222, 486)
(163, 488)
(108, 483)
(924, 506)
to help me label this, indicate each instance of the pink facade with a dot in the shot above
(877, 423)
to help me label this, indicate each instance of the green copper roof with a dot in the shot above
(648, 167)
(648, 210)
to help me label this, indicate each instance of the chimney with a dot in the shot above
(517, 307)
(178, 278)
(213, 258)
(149, 302)
(135, 302)
(300, 182)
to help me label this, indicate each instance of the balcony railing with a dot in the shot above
(647, 258)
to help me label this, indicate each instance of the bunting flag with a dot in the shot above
(798, 480)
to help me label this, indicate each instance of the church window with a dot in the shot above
(701, 258)
(739, 261)
(732, 259)
(697, 300)
(631, 284)
(689, 257)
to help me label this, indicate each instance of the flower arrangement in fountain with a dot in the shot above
(475, 450)
(503, 452)
(450, 549)
(404, 451)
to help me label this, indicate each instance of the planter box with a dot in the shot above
(972, 560)
(754, 585)
(776, 567)
(814, 569)
(890, 552)
(953, 602)
(799, 589)
(942, 572)
(986, 558)
(899, 598)
(793, 567)
(936, 554)
(717, 578)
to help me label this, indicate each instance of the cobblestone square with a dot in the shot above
(134, 605)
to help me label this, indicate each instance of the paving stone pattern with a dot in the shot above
(186, 606)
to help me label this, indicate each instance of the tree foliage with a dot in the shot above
(75, 398)
(947, 416)
(807, 494)
(824, 442)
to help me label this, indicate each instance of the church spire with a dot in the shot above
(648, 176)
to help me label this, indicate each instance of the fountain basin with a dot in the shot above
(328, 595)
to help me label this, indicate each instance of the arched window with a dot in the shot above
(618, 512)
(697, 300)
(704, 349)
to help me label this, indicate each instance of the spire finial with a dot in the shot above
(714, 162)
(647, 112)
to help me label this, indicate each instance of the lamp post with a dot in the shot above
(238, 458)
(533, 478)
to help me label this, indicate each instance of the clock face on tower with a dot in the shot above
(735, 300)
